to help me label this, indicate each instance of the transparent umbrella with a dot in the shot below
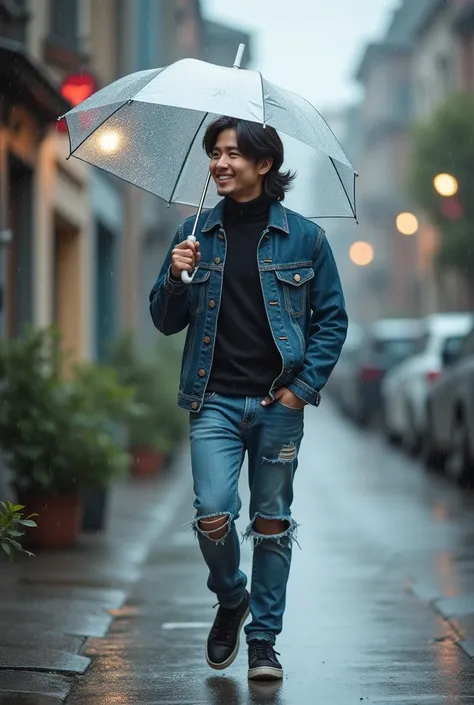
(147, 128)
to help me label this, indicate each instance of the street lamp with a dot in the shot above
(361, 253)
(446, 185)
(407, 223)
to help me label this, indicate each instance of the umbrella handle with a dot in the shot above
(186, 277)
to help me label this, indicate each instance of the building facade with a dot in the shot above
(390, 285)
(443, 63)
(426, 54)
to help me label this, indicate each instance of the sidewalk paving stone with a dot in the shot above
(28, 638)
(32, 683)
(16, 658)
(80, 625)
(22, 699)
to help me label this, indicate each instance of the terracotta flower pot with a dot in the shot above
(58, 520)
(146, 462)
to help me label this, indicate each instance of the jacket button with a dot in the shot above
(194, 405)
(207, 339)
(297, 278)
(202, 373)
(217, 260)
(220, 235)
(212, 304)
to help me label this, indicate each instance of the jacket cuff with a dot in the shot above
(304, 392)
(173, 286)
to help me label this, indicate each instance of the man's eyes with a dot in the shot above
(216, 155)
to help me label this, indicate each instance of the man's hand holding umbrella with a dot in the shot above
(185, 257)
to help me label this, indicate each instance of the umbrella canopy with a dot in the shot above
(147, 128)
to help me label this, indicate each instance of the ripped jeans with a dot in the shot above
(223, 431)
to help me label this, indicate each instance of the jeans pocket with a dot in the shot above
(290, 408)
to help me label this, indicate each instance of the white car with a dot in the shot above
(405, 387)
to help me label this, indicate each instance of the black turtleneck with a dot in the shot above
(246, 359)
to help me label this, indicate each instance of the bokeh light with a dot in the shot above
(109, 141)
(361, 253)
(446, 184)
(407, 223)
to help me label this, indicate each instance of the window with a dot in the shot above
(468, 347)
(394, 349)
(13, 20)
(452, 346)
(64, 22)
(421, 344)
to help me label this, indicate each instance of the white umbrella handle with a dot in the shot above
(186, 277)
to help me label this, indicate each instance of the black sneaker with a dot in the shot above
(224, 638)
(263, 663)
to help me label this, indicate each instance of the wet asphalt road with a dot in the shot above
(387, 555)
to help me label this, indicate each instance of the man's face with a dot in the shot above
(235, 175)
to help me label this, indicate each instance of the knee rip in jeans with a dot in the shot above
(288, 535)
(213, 524)
(287, 454)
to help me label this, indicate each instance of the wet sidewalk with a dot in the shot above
(52, 603)
(383, 546)
(380, 601)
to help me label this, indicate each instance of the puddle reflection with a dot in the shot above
(221, 689)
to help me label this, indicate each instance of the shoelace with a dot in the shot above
(262, 650)
(222, 630)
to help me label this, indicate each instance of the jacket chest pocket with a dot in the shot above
(198, 290)
(295, 286)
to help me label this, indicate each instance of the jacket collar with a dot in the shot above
(277, 219)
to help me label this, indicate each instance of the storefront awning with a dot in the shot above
(22, 81)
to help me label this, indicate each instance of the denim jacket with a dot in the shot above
(302, 293)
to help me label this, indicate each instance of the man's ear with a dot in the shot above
(265, 166)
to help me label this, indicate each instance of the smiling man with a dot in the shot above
(266, 323)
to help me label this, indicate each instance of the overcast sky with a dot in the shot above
(309, 46)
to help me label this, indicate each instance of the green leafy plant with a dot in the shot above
(55, 432)
(11, 521)
(160, 423)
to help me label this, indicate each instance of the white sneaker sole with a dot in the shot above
(233, 656)
(264, 673)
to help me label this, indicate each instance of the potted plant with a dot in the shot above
(11, 523)
(54, 443)
(97, 387)
(154, 433)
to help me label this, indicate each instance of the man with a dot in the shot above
(266, 324)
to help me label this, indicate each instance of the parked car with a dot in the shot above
(338, 379)
(449, 438)
(405, 389)
(385, 343)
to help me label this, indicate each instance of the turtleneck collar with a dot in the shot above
(248, 211)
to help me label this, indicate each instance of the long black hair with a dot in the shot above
(255, 142)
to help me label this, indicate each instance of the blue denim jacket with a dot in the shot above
(302, 293)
